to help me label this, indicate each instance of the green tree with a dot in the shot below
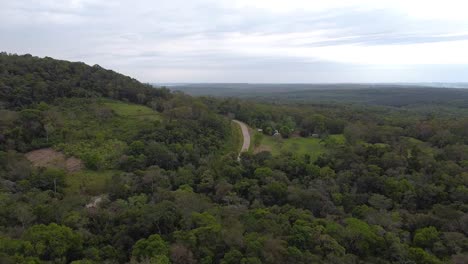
(233, 256)
(379, 201)
(48, 179)
(420, 256)
(153, 248)
(426, 237)
(285, 131)
(327, 173)
(360, 237)
(54, 242)
(262, 173)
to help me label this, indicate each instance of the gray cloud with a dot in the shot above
(207, 40)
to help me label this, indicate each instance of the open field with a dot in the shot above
(298, 145)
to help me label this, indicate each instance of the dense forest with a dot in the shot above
(410, 96)
(157, 179)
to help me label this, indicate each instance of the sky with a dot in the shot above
(256, 41)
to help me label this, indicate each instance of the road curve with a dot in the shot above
(245, 135)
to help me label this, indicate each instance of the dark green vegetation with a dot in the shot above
(162, 184)
(421, 98)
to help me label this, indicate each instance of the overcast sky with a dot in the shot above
(287, 41)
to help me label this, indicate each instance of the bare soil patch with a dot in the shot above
(262, 148)
(50, 158)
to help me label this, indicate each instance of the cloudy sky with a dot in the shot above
(287, 41)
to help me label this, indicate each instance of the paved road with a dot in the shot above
(245, 135)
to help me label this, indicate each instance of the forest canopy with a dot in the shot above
(157, 178)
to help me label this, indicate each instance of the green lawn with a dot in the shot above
(299, 145)
(88, 181)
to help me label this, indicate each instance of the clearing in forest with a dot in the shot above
(297, 145)
(48, 157)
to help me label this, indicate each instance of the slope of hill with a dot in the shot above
(25, 80)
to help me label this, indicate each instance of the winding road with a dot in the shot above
(245, 135)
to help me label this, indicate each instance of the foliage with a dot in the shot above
(164, 183)
(153, 248)
(52, 242)
(27, 80)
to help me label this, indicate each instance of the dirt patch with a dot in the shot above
(262, 148)
(48, 157)
(74, 164)
(295, 134)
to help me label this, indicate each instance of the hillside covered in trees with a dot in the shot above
(25, 80)
(160, 181)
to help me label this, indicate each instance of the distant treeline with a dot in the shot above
(381, 94)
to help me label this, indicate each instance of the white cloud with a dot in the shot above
(453, 52)
(426, 9)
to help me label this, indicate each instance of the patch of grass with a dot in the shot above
(256, 139)
(300, 145)
(132, 110)
(100, 154)
(88, 182)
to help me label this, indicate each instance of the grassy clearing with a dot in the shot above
(132, 110)
(87, 181)
(299, 145)
(98, 131)
(100, 154)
